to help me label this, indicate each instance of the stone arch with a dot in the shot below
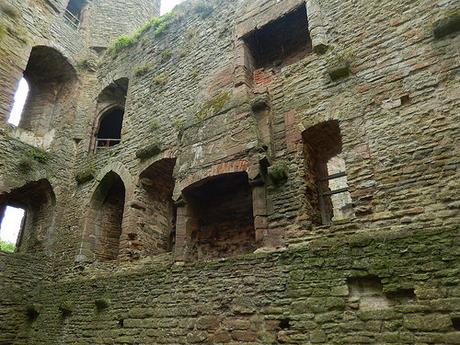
(38, 200)
(113, 179)
(110, 110)
(152, 212)
(52, 80)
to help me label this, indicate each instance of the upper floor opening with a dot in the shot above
(111, 109)
(325, 175)
(74, 12)
(43, 91)
(281, 42)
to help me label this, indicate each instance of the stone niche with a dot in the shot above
(217, 220)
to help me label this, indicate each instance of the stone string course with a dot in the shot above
(193, 93)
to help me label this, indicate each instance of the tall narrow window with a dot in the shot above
(20, 98)
(111, 108)
(11, 226)
(326, 181)
(73, 12)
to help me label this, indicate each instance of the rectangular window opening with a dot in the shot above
(281, 42)
(11, 225)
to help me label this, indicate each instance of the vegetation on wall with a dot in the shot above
(149, 151)
(156, 24)
(7, 247)
(9, 10)
(339, 62)
(213, 106)
(161, 79)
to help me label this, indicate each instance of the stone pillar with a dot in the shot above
(317, 25)
(130, 242)
(186, 225)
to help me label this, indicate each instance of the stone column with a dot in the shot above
(186, 224)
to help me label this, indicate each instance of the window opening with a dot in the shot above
(73, 12)
(20, 98)
(282, 41)
(109, 133)
(327, 186)
(222, 220)
(11, 226)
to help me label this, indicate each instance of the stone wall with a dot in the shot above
(194, 99)
(311, 294)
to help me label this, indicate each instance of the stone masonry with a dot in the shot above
(234, 172)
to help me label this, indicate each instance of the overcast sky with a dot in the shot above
(168, 5)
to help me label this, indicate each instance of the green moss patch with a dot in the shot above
(213, 106)
(278, 173)
(158, 24)
(161, 79)
(102, 304)
(149, 151)
(9, 10)
(142, 70)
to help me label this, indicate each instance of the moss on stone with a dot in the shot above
(102, 304)
(213, 106)
(66, 308)
(166, 55)
(447, 25)
(149, 151)
(2, 31)
(154, 124)
(161, 79)
(142, 70)
(124, 41)
(278, 173)
(38, 155)
(158, 24)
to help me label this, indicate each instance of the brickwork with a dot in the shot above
(169, 260)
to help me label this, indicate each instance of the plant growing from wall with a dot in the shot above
(447, 25)
(142, 70)
(166, 55)
(158, 24)
(161, 79)
(338, 63)
(154, 124)
(278, 173)
(7, 247)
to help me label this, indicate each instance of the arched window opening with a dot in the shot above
(219, 219)
(110, 104)
(73, 12)
(11, 225)
(20, 98)
(105, 218)
(325, 175)
(27, 217)
(50, 79)
(109, 132)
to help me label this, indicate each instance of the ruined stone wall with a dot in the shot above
(388, 289)
(105, 20)
(20, 277)
(195, 98)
